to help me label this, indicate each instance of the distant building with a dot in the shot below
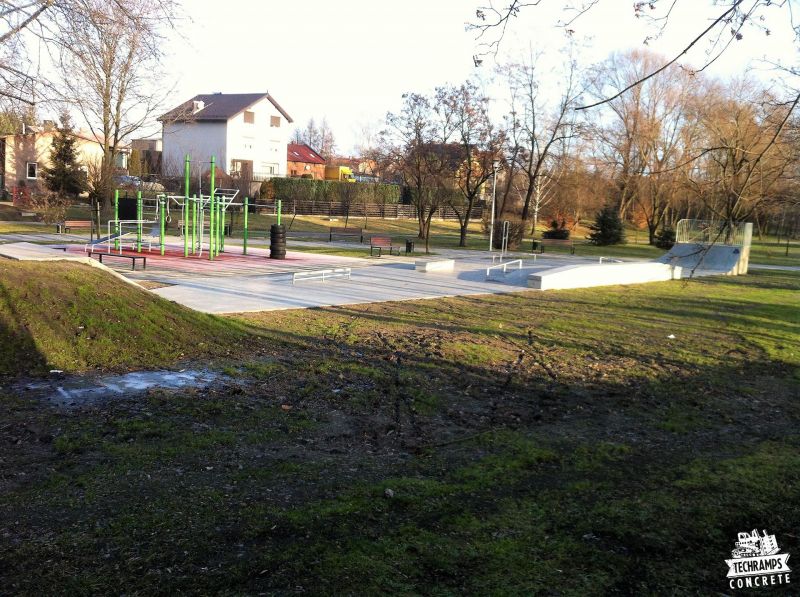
(150, 152)
(303, 161)
(24, 155)
(247, 133)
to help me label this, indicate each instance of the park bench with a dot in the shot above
(133, 258)
(347, 232)
(66, 225)
(554, 242)
(382, 243)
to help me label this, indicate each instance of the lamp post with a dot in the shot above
(495, 165)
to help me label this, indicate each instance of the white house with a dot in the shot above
(247, 134)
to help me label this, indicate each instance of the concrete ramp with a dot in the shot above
(603, 274)
(698, 259)
(684, 260)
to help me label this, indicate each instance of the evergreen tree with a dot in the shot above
(607, 228)
(64, 175)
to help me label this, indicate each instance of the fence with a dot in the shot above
(706, 232)
(341, 209)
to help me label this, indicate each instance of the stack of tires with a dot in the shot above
(277, 241)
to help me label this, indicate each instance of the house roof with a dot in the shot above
(218, 107)
(300, 152)
(38, 130)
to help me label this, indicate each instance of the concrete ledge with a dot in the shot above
(607, 274)
(435, 265)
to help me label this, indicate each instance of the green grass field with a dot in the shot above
(535, 443)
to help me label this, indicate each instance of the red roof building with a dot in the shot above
(303, 161)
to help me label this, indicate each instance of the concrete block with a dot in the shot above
(606, 274)
(435, 265)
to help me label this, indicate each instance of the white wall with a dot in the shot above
(263, 144)
(606, 274)
(200, 140)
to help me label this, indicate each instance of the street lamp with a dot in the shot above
(495, 165)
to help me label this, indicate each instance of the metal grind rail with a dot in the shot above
(503, 266)
(322, 274)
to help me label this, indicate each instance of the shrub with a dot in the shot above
(665, 239)
(51, 207)
(607, 228)
(558, 230)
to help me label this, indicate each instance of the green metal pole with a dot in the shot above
(244, 244)
(186, 175)
(211, 229)
(279, 212)
(116, 219)
(221, 245)
(139, 214)
(161, 203)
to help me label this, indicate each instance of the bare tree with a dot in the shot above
(109, 61)
(413, 147)
(542, 133)
(648, 135)
(479, 143)
(748, 153)
(317, 136)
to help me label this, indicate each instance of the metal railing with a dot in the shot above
(503, 266)
(322, 274)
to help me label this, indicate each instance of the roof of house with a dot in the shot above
(300, 152)
(31, 130)
(218, 107)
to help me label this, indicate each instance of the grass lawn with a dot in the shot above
(76, 318)
(25, 228)
(534, 443)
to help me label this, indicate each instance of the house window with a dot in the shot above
(32, 170)
(274, 120)
(249, 117)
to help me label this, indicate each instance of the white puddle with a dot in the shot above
(76, 391)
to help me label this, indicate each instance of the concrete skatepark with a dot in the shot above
(253, 282)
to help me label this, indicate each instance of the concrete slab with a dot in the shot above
(26, 251)
(434, 265)
(374, 283)
(720, 259)
(602, 274)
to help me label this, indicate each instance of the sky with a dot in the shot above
(350, 61)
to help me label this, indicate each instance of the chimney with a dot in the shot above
(197, 105)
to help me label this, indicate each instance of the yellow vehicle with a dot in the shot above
(340, 173)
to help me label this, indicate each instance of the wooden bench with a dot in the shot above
(554, 242)
(67, 224)
(381, 243)
(133, 259)
(346, 232)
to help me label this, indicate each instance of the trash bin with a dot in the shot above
(409, 246)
